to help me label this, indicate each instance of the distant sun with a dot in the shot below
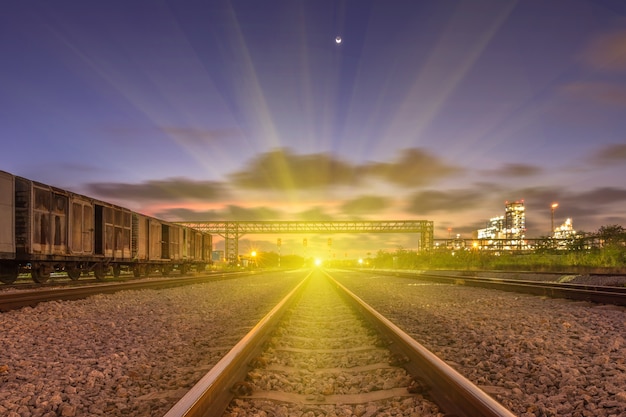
(338, 40)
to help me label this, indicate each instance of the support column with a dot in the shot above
(426, 237)
(231, 242)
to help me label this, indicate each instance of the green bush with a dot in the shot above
(608, 258)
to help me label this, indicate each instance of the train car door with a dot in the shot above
(49, 221)
(140, 244)
(58, 217)
(82, 227)
(42, 202)
(208, 246)
(197, 246)
(98, 229)
(109, 232)
(186, 246)
(176, 235)
(121, 233)
(165, 242)
(155, 240)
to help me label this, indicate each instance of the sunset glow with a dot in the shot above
(312, 111)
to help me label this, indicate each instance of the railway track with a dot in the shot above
(29, 295)
(601, 294)
(321, 351)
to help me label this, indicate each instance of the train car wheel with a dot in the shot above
(39, 273)
(74, 273)
(98, 272)
(166, 270)
(8, 274)
(117, 270)
(184, 269)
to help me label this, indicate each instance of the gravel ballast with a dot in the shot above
(135, 353)
(537, 356)
(132, 353)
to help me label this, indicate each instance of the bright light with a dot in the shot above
(338, 40)
(360, 261)
(253, 253)
(555, 205)
(318, 262)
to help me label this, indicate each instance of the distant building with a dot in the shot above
(515, 220)
(565, 231)
(505, 232)
(494, 229)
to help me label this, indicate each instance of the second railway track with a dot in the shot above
(322, 351)
(602, 294)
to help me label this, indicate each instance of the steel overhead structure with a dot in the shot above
(231, 231)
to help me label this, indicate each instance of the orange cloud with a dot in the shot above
(601, 92)
(607, 52)
(172, 189)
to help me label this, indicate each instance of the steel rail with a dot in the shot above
(580, 292)
(451, 391)
(546, 284)
(454, 393)
(19, 299)
(211, 395)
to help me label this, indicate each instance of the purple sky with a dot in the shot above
(249, 110)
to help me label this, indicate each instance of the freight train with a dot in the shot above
(44, 229)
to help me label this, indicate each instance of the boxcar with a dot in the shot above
(148, 244)
(56, 230)
(197, 247)
(157, 244)
(44, 229)
(41, 213)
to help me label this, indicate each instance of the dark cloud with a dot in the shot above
(283, 170)
(365, 204)
(601, 196)
(234, 212)
(239, 213)
(172, 189)
(607, 52)
(489, 187)
(316, 213)
(589, 201)
(533, 195)
(188, 215)
(228, 213)
(414, 167)
(611, 154)
(430, 201)
(515, 171)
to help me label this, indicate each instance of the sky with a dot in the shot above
(251, 110)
